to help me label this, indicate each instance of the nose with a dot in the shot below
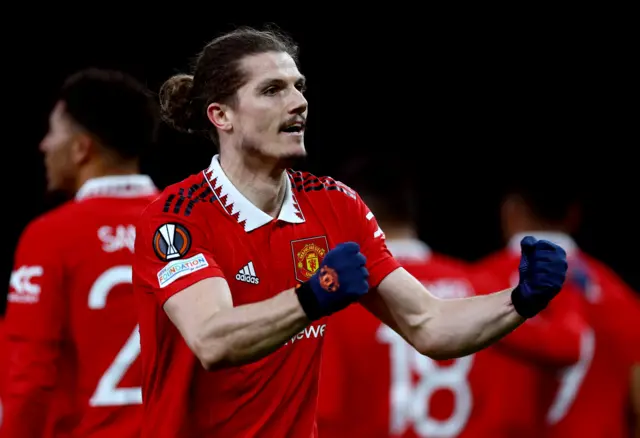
(299, 104)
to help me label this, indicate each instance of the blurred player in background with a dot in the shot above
(595, 302)
(373, 383)
(71, 323)
(237, 267)
(600, 386)
(546, 344)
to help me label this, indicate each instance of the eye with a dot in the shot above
(301, 87)
(270, 91)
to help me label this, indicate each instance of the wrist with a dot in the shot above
(523, 303)
(308, 301)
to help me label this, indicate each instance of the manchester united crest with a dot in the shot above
(307, 256)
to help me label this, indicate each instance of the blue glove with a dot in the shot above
(543, 269)
(340, 280)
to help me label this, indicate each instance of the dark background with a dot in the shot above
(468, 102)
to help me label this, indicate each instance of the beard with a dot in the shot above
(286, 157)
(60, 186)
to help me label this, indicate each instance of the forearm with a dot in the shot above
(459, 327)
(250, 332)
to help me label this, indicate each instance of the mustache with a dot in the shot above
(294, 120)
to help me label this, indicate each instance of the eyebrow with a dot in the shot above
(302, 80)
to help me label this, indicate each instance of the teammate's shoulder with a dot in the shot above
(602, 270)
(306, 182)
(50, 225)
(54, 218)
(436, 265)
(497, 258)
(494, 271)
(450, 263)
(181, 198)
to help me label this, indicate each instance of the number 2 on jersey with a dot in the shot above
(107, 392)
(410, 399)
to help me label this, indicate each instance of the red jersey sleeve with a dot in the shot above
(34, 326)
(173, 250)
(368, 234)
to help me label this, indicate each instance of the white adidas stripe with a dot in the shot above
(247, 274)
(248, 270)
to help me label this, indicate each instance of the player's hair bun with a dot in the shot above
(176, 104)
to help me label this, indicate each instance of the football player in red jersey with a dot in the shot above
(602, 380)
(374, 384)
(600, 375)
(71, 322)
(237, 267)
(546, 344)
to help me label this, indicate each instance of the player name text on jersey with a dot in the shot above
(116, 238)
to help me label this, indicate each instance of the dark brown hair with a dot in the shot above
(550, 198)
(216, 77)
(113, 106)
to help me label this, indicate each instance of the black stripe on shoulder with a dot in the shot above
(306, 182)
(184, 201)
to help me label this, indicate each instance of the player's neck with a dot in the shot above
(535, 227)
(261, 182)
(531, 224)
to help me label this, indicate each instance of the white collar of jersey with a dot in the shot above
(409, 249)
(563, 240)
(118, 186)
(241, 208)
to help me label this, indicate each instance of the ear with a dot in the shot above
(221, 116)
(81, 148)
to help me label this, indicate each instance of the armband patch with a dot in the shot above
(179, 268)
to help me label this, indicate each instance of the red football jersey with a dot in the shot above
(598, 387)
(71, 322)
(374, 384)
(204, 227)
(539, 349)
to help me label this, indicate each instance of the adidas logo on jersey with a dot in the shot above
(247, 274)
